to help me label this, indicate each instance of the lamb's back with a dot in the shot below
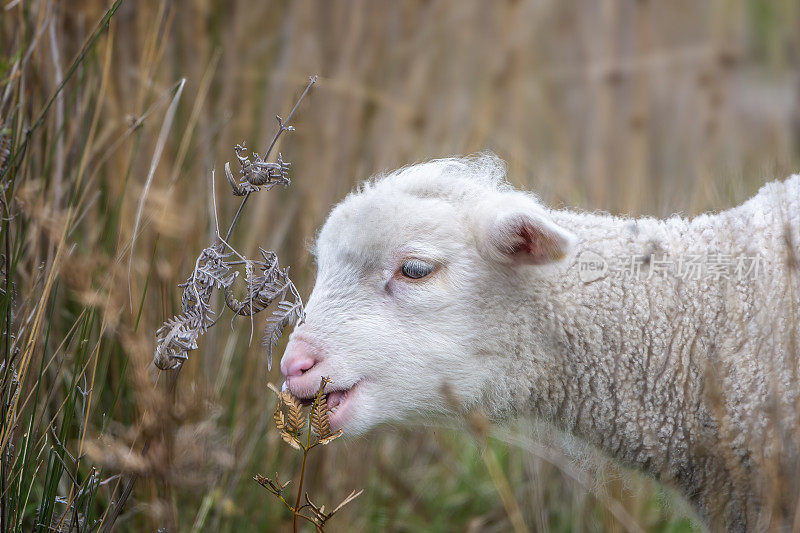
(755, 362)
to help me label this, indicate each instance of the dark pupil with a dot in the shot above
(415, 269)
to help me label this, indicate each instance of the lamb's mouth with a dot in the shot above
(338, 401)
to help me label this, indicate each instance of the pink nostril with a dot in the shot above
(300, 357)
(297, 366)
(296, 361)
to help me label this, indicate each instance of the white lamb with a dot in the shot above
(672, 344)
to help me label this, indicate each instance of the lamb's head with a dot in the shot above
(416, 274)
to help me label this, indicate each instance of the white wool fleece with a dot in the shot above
(669, 344)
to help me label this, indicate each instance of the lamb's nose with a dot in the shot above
(297, 360)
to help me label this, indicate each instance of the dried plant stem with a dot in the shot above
(308, 446)
(236, 216)
(306, 449)
(282, 126)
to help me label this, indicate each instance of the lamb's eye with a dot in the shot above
(416, 268)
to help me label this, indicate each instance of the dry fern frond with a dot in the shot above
(272, 284)
(319, 417)
(257, 173)
(320, 420)
(291, 440)
(330, 438)
(263, 289)
(179, 335)
(266, 282)
(288, 314)
(318, 511)
(280, 420)
(296, 419)
(213, 268)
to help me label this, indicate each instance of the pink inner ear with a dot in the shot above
(535, 245)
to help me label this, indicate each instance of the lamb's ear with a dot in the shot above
(523, 234)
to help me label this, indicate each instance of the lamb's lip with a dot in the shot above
(306, 395)
(337, 416)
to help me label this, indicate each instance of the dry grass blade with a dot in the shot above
(162, 140)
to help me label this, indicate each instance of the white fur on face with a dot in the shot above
(396, 342)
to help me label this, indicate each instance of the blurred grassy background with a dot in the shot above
(629, 106)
